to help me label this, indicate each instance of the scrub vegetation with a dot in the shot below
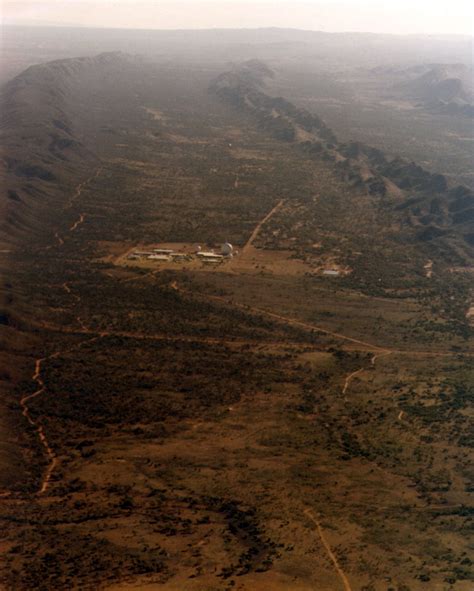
(255, 425)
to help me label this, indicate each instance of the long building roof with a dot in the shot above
(209, 255)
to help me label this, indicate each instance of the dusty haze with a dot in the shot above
(402, 17)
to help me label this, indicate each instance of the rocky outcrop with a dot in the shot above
(423, 200)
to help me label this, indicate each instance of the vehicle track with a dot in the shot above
(258, 227)
(36, 376)
(377, 349)
(81, 186)
(345, 581)
(59, 239)
(237, 341)
(352, 375)
(26, 412)
(209, 340)
(378, 353)
(78, 222)
(286, 320)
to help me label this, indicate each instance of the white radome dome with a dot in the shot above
(227, 249)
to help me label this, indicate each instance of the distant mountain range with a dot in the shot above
(446, 87)
(441, 82)
(425, 202)
(23, 46)
(45, 109)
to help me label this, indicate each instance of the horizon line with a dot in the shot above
(46, 25)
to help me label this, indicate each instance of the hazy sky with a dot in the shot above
(379, 16)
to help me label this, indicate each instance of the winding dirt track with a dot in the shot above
(352, 375)
(77, 223)
(237, 341)
(378, 353)
(26, 412)
(81, 186)
(349, 379)
(57, 237)
(330, 553)
(36, 377)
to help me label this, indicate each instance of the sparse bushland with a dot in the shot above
(192, 433)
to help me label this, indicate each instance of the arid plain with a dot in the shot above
(252, 424)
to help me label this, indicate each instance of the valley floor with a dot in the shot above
(254, 426)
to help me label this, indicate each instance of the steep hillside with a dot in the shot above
(440, 82)
(47, 155)
(425, 206)
(173, 418)
(45, 151)
(442, 88)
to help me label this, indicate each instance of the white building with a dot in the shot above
(227, 249)
(209, 255)
(142, 253)
(158, 257)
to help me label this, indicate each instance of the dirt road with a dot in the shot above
(77, 193)
(349, 379)
(26, 411)
(352, 375)
(377, 349)
(36, 377)
(81, 186)
(78, 222)
(345, 581)
(289, 321)
(258, 227)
